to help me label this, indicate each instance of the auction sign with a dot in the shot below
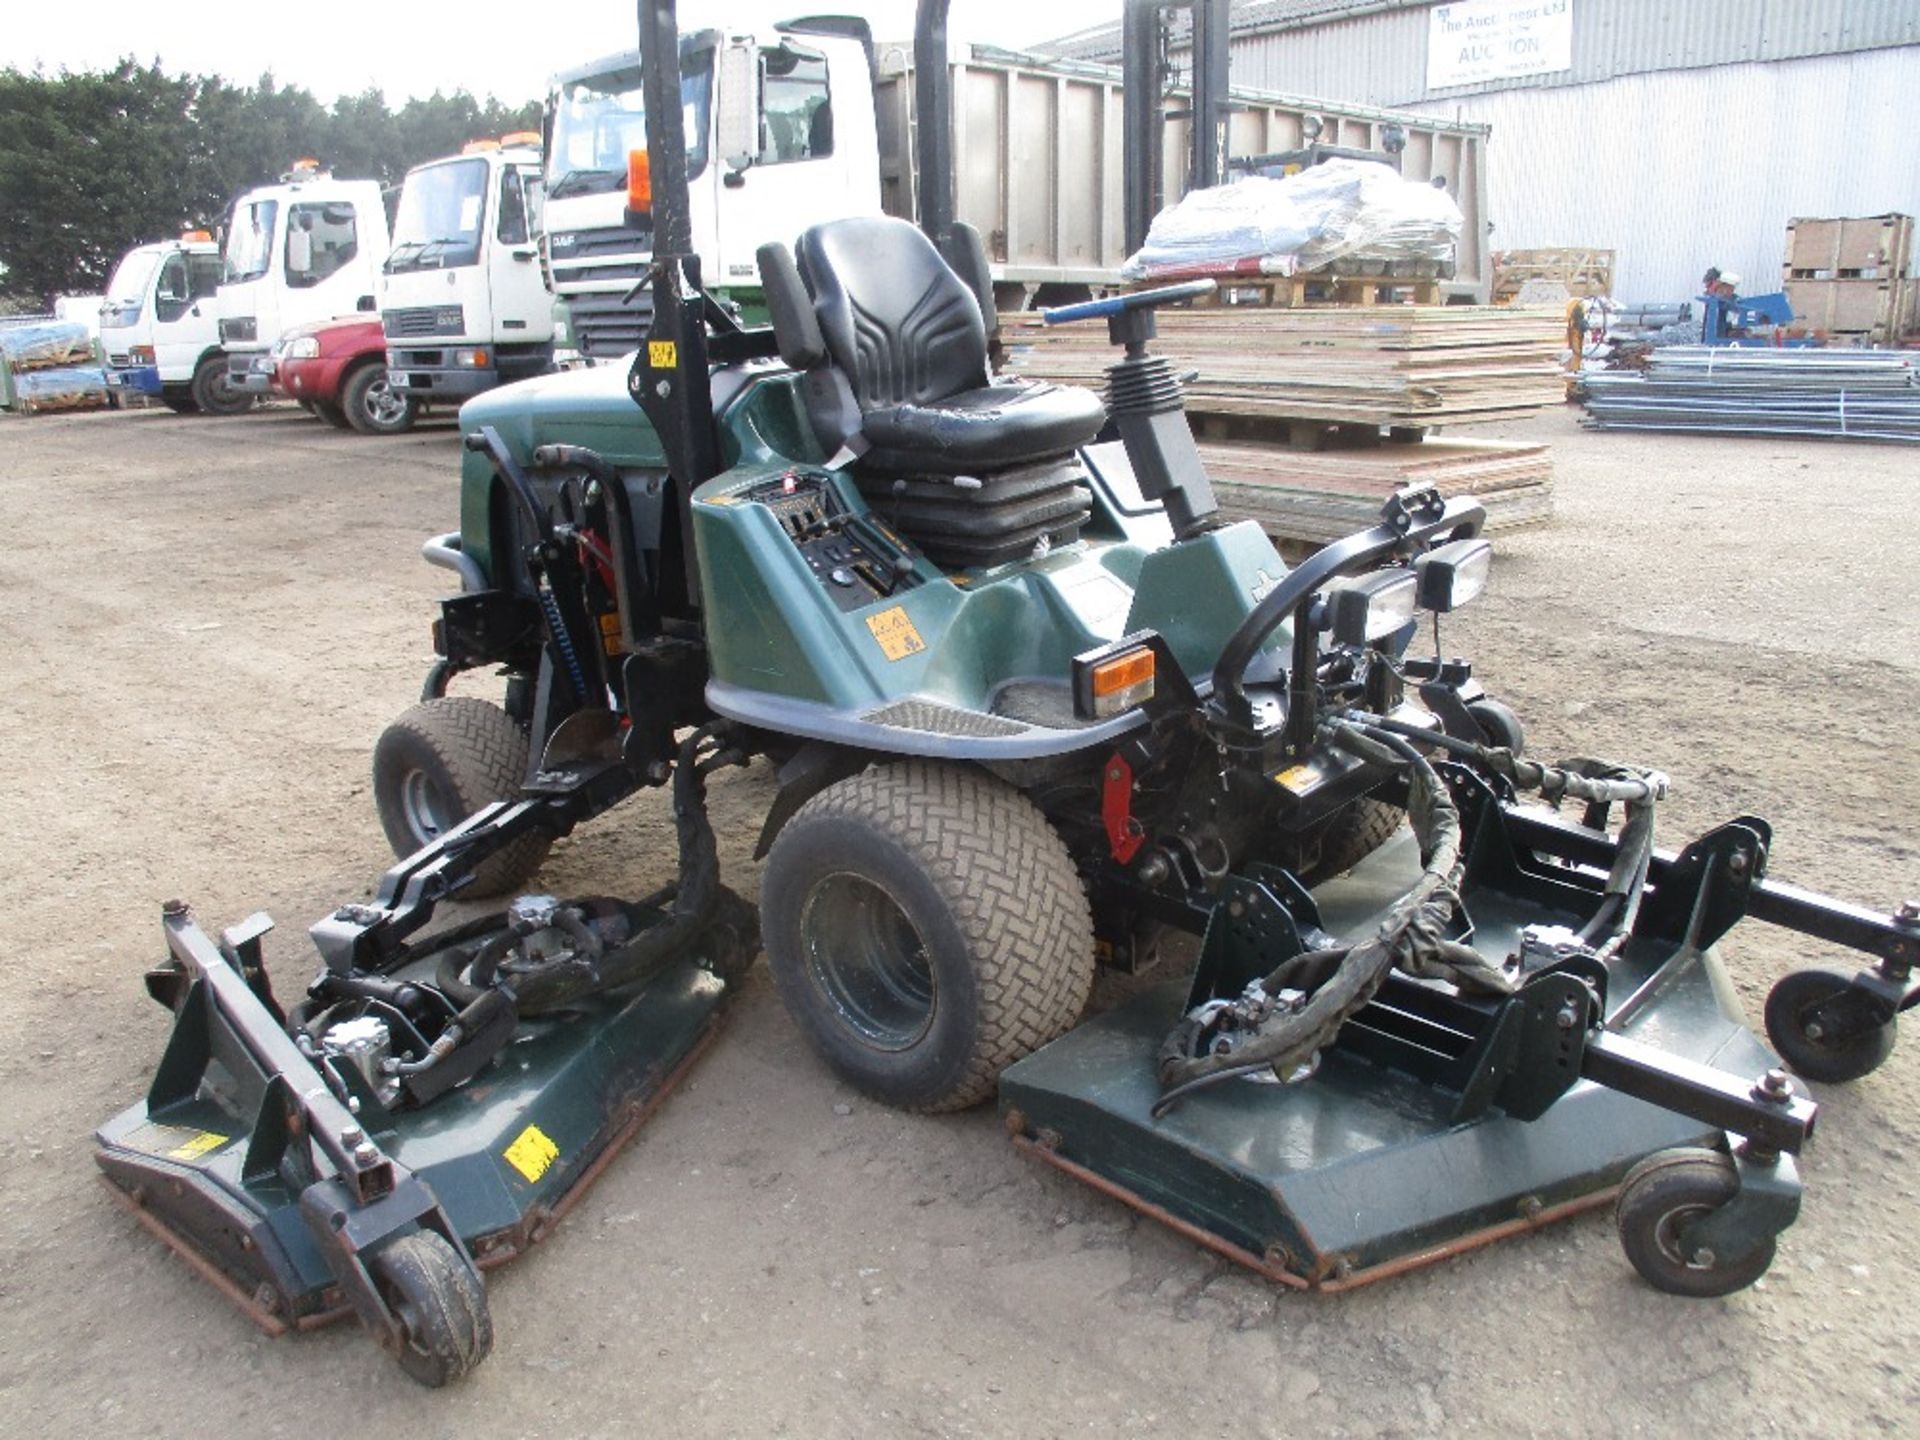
(1472, 41)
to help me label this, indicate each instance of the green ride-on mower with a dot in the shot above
(1034, 705)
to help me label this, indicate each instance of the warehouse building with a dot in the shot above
(1678, 135)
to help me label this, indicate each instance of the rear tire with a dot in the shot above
(926, 928)
(373, 406)
(214, 392)
(439, 763)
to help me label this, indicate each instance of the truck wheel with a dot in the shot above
(439, 763)
(926, 928)
(331, 413)
(214, 393)
(179, 399)
(441, 1304)
(373, 406)
(1659, 1198)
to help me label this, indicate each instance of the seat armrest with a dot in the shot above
(794, 325)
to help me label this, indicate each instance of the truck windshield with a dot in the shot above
(250, 240)
(438, 222)
(596, 121)
(127, 291)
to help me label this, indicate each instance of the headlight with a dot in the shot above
(470, 359)
(1371, 607)
(302, 347)
(1453, 574)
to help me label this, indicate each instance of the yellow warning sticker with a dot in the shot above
(662, 354)
(531, 1153)
(175, 1142)
(1299, 779)
(203, 1143)
(894, 630)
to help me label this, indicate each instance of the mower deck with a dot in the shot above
(506, 1155)
(1364, 1171)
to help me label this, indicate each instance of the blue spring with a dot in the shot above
(557, 627)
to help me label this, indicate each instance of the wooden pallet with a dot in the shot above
(1296, 291)
(1584, 271)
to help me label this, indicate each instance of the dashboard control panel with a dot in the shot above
(848, 555)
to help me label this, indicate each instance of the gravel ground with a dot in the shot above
(206, 624)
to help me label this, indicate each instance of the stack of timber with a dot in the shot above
(1845, 394)
(1851, 279)
(1404, 368)
(1321, 497)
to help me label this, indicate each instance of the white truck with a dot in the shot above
(305, 249)
(811, 121)
(464, 305)
(780, 136)
(159, 326)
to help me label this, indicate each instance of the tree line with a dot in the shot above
(94, 163)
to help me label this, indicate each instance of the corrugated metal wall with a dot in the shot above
(1679, 170)
(1381, 59)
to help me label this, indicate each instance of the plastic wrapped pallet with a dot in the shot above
(1344, 209)
(66, 387)
(43, 344)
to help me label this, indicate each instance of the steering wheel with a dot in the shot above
(1132, 300)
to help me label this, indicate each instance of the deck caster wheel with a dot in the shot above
(439, 763)
(1823, 1040)
(1499, 724)
(1660, 1196)
(441, 1304)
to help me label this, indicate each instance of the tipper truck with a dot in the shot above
(812, 120)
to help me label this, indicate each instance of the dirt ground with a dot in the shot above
(205, 623)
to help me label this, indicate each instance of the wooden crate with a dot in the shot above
(1874, 310)
(1871, 247)
(1583, 270)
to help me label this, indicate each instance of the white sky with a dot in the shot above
(345, 45)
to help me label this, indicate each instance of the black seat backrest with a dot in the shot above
(897, 321)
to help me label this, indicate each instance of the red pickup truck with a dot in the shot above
(337, 369)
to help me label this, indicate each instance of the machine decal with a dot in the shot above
(896, 634)
(662, 354)
(531, 1153)
(177, 1142)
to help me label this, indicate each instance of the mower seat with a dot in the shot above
(892, 344)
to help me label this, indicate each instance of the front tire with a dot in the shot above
(439, 763)
(373, 406)
(331, 413)
(926, 928)
(214, 391)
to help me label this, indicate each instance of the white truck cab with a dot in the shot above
(780, 135)
(463, 302)
(308, 248)
(159, 323)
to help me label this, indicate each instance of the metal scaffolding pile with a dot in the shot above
(1852, 394)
